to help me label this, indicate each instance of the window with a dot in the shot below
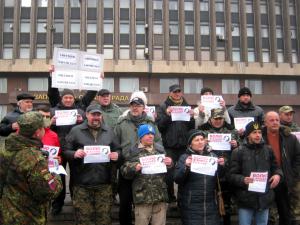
(165, 83)
(41, 53)
(264, 32)
(129, 84)
(108, 4)
(7, 53)
(157, 4)
(75, 27)
(173, 5)
(108, 28)
(25, 27)
(124, 28)
(204, 6)
(236, 31)
(249, 8)
(140, 4)
(193, 86)
(236, 55)
(279, 33)
(204, 30)
(3, 111)
(91, 28)
(9, 3)
(24, 53)
(280, 57)
(263, 9)
(109, 83)
(266, 56)
(188, 6)
(59, 3)
(173, 29)
(288, 87)
(250, 31)
(251, 56)
(3, 85)
(26, 3)
(124, 4)
(189, 29)
(75, 3)
(230, 86)
(157, 29)
(42, 3)
(255, 86)
(220, 7)
(108, 53)
(37, 84)
(92, 3)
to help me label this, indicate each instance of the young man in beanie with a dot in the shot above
(245, 108)
(173, 132)
(148, 207)
(253, 156)
(286, 115)
(9, 123)
(26, 185)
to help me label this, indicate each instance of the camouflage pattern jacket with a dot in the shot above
(26, 183)
(293, 126)
(146, 188)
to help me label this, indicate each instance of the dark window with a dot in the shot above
(108, 39)
(7, 38)
(140, 39)
(265, 43)
(235, 42)
(24, 38)
(59, 13)
(294, 44)
(41, 38)
(220, 17)
(293, 20)
(140, 14)
(75, 39)
(235, 18)
(124, 14)
(189, 40)
(108, 13)
(189, 16)
(58, 38)
(204, 16)
(205, 41)
(174, 40)
(264, 19)
(278, 20)
(250, 18)
(42, 13)
(91, 14)
(75, 13)
(25, 13)
(250, 41)
(280, 43)
(158, 40)
(124, 39)
(91, 38)
(157, 15)
(8, 13)
(221, 43)
(173, 15)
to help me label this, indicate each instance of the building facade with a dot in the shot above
(151, 44)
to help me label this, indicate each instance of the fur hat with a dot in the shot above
(139, 94)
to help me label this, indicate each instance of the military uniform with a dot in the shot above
(149, 191)
(27, 185)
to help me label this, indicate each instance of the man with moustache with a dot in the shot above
(92, 196)
(286, 149)
(9, 123)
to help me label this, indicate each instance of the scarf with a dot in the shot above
(176, 102)
(137, 120)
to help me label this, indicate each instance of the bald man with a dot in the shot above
(286, 149)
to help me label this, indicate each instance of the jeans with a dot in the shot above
(246, 216)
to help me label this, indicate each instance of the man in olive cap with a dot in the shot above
(26, 185)
(286, 115)
(9, 122)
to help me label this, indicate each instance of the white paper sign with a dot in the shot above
(153, 164)
(150, 110)
(77, 69)
(66, 117)
(260, 180)
(220, 141)
(241, 122)
(54, 167)
(211, 101)
(96, 154)
(204, 165)
(297, 134)
(181, 113)
(53, 150)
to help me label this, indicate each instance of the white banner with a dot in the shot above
(241, 122)
(181, 113)
(97, 154)
(153, 164)
(65, 117)
(204, 165)
(211, 101)
(259, 182)
(219, 141)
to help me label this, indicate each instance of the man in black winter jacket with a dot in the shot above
(254, 159)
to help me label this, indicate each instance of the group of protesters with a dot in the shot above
(266, 148)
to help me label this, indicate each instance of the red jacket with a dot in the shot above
(51, 138)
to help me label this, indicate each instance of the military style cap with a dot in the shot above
(25, 96)
(216, 113)
(137, 101)
(250, 127)
(286, 109)
(103, 92)
(174, 87)
(94, 108)
(29, 122)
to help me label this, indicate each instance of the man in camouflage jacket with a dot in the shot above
(149, 191)
(26, 184)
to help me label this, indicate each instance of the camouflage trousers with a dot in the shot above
(92, 206)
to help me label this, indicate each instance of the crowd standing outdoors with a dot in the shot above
(256, 165)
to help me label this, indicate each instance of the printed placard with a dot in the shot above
(53, 150)
(220, 141)
(66, 117)
(62, 78)
(204, 165)
(97, 154)
(90, 81)
(181, 113)
(260, 180)
(66, 58)
(153, 164)
(211, 101)
(241, 122)
(92, 62)
(150, 111)
(54, 167)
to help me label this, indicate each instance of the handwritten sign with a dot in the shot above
(204, 165)
(66, 117)
(180, 113)
(259, 182)
(96, 154)
(153, 164)
(220, 141)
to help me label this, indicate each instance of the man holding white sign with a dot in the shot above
(92, 196)
(254, 173)
(146, 166)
